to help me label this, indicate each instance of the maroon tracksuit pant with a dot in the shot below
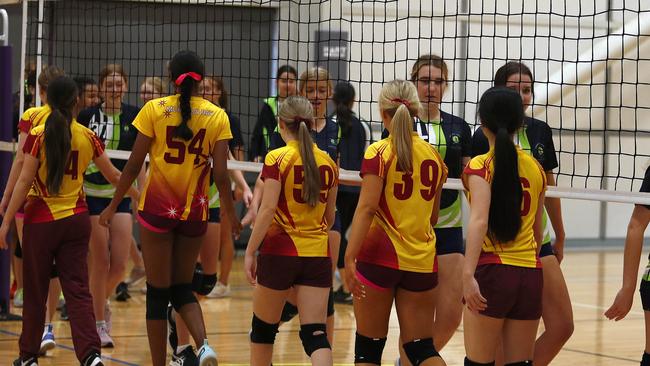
(66, 242)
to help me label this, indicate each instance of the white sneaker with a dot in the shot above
(104, 338)
(207, 357)
(47, 340)
(220, 290)
(107, 316)
(18, 298)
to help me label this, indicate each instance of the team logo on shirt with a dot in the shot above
(539, 151)
(455, 139)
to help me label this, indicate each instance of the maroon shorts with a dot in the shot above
(162, 225)
(511, 292)
(384, 278)
(280, 272)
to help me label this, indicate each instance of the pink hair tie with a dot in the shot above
(181, 77)
(401, 101)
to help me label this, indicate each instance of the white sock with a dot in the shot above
(181, 348)
(100, 323)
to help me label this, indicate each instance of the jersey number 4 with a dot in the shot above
(72, 167)
(429, 171)
(195, 147)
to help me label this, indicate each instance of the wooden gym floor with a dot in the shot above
(593, 278)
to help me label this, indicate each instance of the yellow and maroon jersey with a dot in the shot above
(401, 235)
(43, 206)
(298, 229)
(177, 185)
(521, 252)
(33, 117)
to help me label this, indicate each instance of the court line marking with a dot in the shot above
(6, 332)
(597, 307)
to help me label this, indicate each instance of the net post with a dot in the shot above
(6, 107)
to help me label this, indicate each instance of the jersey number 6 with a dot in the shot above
(195, 147)
(429, 171)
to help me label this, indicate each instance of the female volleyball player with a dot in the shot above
(298, 205)
(151, 88)
(31, 118)
(186, 137)
(316, 86)
(212, 89)
(56, 154)
(205, 277)
(266, 123)
(536, 138)
(452, 137)
(355, 139)
(633, 246)
(109, 247)
(502, 276)
(391, 252)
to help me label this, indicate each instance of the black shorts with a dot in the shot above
(511, 292)
(384, 278)
(214, 215)
(546, 250)
(280, 272)
(337, 223)
(97, 204)
(645, 294)
(449, 241)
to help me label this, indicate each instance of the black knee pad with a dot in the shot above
(645, 359)
(521, 363)
(314, 337)
(469, 362)
(203, 283)
(368, 350)
(157, 300)
(18, 252)
(263, 332)
(419, 350)
(288, 312)
(181, 295)
(330, 303)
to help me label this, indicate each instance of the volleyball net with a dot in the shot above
(591, 62)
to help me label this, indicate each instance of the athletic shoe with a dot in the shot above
(219, 291)
(207, 357)
(93, 359)
(32, 361)
(104, 338)
(186, 357)
(342, 297)
(61, 302)
(172, 336)
(47, 340)
(122, 292)
(18, 298)
(107, 316)
(64, 312)
(136, 275)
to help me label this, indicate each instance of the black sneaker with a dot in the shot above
(64, 312)
(122, 292)
(172, 336)
(342, 297)
(32, 361)
(186, 357)
(93, 359)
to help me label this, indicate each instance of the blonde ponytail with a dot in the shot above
(297, 114)
(402, 126)
(311, 184)
(399, 99)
